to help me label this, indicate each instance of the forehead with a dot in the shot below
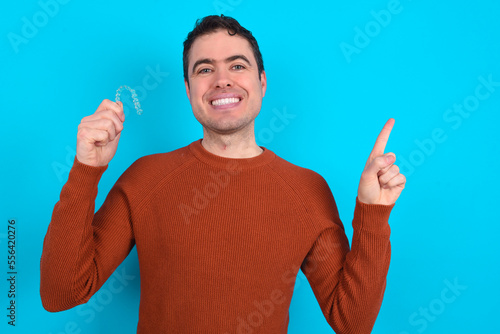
(219, 45)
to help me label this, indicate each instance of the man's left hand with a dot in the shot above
(381, 182)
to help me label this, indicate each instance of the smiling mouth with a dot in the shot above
(225, 101)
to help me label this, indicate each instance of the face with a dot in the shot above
(224, 87)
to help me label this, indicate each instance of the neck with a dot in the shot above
(234, 146)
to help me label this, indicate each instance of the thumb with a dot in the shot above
(380, 163)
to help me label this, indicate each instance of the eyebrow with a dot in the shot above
(227, 60)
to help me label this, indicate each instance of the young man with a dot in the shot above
(221, 226)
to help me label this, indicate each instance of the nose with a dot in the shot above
(222, 79)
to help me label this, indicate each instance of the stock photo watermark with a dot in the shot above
(363, 36)
(218, 181)
(428, 314)
(225, 6)
(265, 308)
(277, 124)
(31, 26)
(115, 285)
(11, 272)
(453, 116)
(203, 195)
(150, 82)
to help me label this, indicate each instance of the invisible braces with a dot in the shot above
(137, 105)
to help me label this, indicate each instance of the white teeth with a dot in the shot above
(229, 100)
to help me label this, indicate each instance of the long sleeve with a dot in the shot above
(219, 242)
(80, 249)
(349, 285)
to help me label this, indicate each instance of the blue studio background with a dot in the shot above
(338, 70)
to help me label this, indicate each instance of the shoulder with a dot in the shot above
(151, 169)
(163, 161)
(310, 189)
(297, 176)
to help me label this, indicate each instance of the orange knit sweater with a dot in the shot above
(220, 242)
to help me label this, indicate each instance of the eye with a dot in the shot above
(239, 67)
(204, 70)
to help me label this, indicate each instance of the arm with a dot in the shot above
(349, 285)
(81, 249)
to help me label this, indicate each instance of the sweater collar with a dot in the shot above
(236, 164)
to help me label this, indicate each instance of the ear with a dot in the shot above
(263, 82)
(187, 89)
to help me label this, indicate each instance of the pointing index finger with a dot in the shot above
(383, 137)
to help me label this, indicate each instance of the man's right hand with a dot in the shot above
(98, 134)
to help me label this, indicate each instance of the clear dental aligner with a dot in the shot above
(137, 105)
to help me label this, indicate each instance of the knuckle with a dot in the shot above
(379, 161)
(85, 119)
(110, 128)
(111, 114)
(101, 136)
(104, 112)
(82, 132)
(107, 102)
(107, 123)
(104, 136)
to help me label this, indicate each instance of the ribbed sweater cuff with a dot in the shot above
(85, 177)
(373, 218)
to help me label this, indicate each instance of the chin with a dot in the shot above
(228, 126)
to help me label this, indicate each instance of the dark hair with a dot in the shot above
(212, 23)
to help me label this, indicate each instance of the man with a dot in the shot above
(221, 226)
